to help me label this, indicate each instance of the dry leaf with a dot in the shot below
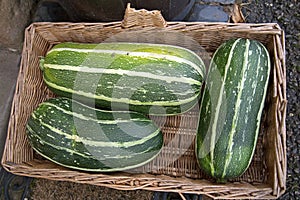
(237, 15)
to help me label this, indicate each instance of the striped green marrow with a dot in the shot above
(74, 135)
(231, 108)
(152, 79)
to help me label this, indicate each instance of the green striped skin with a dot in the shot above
(231, 108)
(148, 78)
(77, 136)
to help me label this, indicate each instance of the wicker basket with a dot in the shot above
(266, 176)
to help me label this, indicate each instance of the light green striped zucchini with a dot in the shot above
(74, 135)
(231, 108)
(153, 79)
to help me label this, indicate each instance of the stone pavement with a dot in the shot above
(8, 75)
(15, 16)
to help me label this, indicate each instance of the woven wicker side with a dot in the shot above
(27, 96)
(175, 169)
(142, 18)
(130, 181)
(275, 137)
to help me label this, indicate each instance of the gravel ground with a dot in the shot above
(287, 15)
(75, 191)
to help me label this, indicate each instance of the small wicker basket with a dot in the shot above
(266, 176)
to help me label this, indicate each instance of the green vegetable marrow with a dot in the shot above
(80, 137)
(231, 108)
(152, 79)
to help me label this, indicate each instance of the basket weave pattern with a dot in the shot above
(266, 175)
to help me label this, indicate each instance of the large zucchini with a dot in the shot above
(231, 108)
(80, 137)
(153, 79)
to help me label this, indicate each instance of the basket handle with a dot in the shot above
(142, 18)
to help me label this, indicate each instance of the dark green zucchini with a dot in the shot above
(80, 137)
(231, 108)
(152, 79)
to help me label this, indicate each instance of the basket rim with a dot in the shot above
(250, 26)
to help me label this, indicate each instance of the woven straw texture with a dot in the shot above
(175, 169)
